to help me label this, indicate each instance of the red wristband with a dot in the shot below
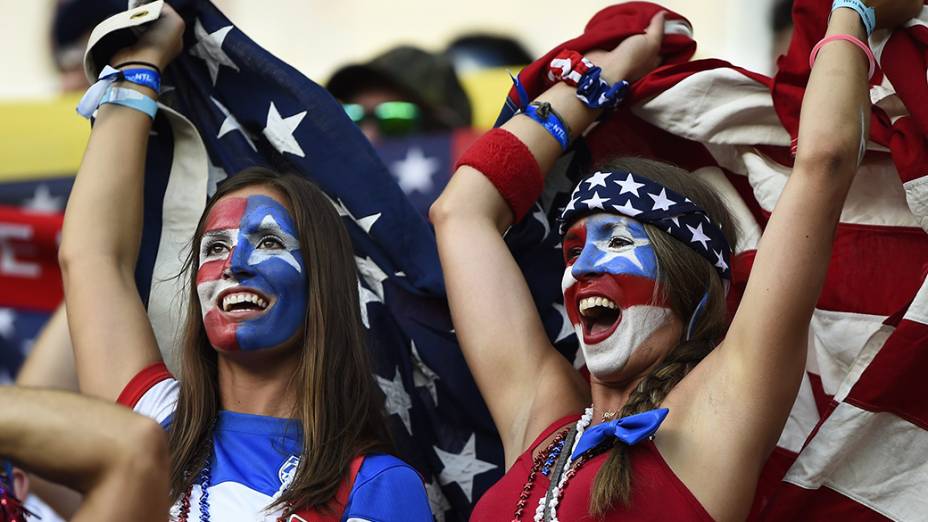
(509, 166)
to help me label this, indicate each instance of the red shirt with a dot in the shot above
(657, 494)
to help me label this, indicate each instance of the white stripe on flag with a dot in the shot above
(722, 106)
(803, 417)
(837, 341)
(748, 230)
(876, 196)
(184, 201)
(868, 457)
(916, 195)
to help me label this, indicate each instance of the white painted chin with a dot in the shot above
(608, 357)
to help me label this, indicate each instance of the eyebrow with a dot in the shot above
(224, 233)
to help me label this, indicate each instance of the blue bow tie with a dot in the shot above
(628, 430)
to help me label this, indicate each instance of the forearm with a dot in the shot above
(51, 362)
(633, 58)
(473, 201)
(835, 109)
(67, 437)
(103, 219)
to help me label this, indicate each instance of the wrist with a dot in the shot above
(140, 56)
(151, 93)
(846, 21)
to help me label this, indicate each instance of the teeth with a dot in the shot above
(592, 302)
(243, 297)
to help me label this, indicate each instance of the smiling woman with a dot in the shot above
(275, 414)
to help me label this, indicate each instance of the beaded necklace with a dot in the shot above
(564, 470)
(203, 479)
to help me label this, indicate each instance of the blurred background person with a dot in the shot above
(471, 52)
(781, 22)
(403, 91)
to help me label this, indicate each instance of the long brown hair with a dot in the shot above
(684, 278)
(337, 402)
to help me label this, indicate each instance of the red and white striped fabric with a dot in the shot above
(855, 443)
(866, 459)
(862, 460)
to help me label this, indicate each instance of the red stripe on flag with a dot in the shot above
(895, 380)
(29, 273)
(795, 503)
(874, 269)
(824, 403)
(771, 478)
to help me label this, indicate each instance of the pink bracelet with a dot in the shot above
(848, 38)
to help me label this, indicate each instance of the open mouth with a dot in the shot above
(599, 317)
(243, 303)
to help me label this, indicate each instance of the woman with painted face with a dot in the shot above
(676, 422)
(275, 414)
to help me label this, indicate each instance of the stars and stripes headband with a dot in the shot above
(622, 192)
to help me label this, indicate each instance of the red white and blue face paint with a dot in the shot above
(252, 278)
(610, 288)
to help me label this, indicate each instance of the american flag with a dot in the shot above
(30, 220)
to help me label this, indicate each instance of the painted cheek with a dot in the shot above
(569, 288)
(636, 290)
(286, 316)
(220, 331)
(212, 270)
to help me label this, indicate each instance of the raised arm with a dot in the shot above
(116, 458)
(748, 385)
(524, 381)
(110, 331)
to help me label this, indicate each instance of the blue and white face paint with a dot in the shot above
(252, 277)
(610, 289)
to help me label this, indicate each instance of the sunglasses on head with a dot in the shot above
(394, 118)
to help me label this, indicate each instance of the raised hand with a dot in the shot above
(160, 43)
(636, 56)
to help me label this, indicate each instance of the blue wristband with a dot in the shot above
(144, 77)
(867, 13)
(132, 99)
(550, 120)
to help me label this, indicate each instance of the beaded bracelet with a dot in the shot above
(543, 113)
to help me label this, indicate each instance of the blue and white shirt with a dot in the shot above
(254, 458)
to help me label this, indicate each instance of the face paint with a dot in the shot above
(609, 287)
(252, 280)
